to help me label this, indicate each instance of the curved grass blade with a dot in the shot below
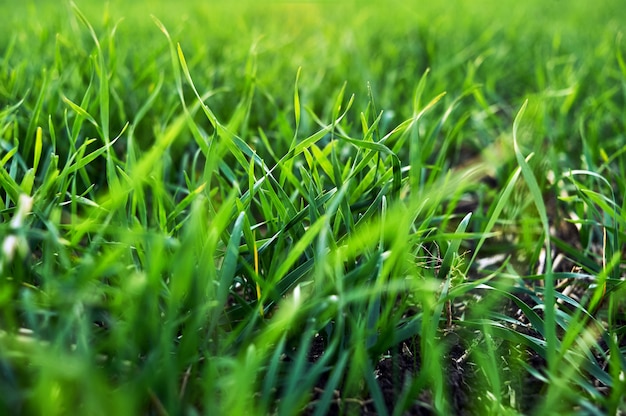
(227, 272)
(535, 192)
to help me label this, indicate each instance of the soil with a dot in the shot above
(397, 367)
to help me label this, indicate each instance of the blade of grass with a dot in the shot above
(537, 197)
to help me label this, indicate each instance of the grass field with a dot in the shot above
(289, 207)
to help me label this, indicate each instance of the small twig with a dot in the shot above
(183, 385)
(160, 409)
(468, 351)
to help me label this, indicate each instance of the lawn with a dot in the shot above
(312, 207)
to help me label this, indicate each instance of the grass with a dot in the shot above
(310, 207)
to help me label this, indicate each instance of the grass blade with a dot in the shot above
(537, 197)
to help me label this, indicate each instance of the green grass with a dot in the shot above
(312, 207)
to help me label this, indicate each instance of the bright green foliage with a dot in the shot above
(257, 208)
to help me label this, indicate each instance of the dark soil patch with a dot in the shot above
(396, 374)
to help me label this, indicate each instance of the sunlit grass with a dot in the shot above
(309, 207)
